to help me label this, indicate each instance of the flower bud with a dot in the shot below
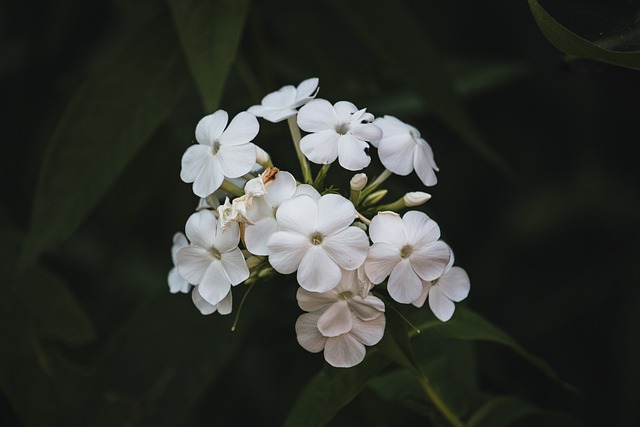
(262, 157)
(374, 197)
(358, 181)
(416, 198)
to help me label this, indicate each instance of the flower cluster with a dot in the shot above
(349, 252)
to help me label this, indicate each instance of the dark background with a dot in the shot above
(548, 233)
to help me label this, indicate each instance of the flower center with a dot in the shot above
(316, 239)
(342, 128)
(406, 251)
(215, 253)
(345, 295)
(216, 147)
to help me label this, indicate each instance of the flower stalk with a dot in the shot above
(296, 136)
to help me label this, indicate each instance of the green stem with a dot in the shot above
(438, 403)
(304, 163)
(318, 183)
(244, 297)
(376, 183)
(231, 188)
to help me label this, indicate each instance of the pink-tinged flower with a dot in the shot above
(283, 103)
(213, 260)
(402, 150)
(177, 283)
(452, 286)
(223, 307)
(220, 152)
(338, 131)
(408, 251)
(316, 238)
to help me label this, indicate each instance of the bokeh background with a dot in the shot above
(537, 195)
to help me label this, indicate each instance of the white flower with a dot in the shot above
(452, 286)
(402, 150)
(220, 153)
(213, 261)
(340, 322)
(337, 131)
(283, 103)
(177, 283)
(316, 238)
(223, 307)
(406, 249)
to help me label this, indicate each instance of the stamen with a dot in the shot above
(316, 239)
(406, 251)
(342, 128)
(215, 253)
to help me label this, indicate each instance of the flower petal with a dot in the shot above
(455, 284)
(210, 127)
(388, 227)
(336, 319)
(214, 284)
(404, 285)
(236, 160)
(226, 305)
(242, 129)
(201, 229)
(235, 267)
(192, 262)
(201, 304)
(317, 115)
(430, 262)
(381, 260)
(344, 111)
(299, 215)
(424, 164)
(352, 154)
(257, 235)
(441, 306)
(335, 213)
(177, 283)
(286, 250)
(306, 90)
(320, 147)
(348, 248)
(227, 239)
(366, 132)
(307, 333)
(317, 272)
(420, 229)
(281, 188)
(396, 153)
(369, 332)
(426, 285)
(307, 190)
(314, 301)
(368, 308)
(344, 351)
(193, 160)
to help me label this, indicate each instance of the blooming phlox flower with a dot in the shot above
(223, 307)
(316, 238)
(177, 283)
(407, 250)
(283, 103)
(220, 152)
(213, 260)
(452, 286)
(264, 207)
(340, 322)
(402, 150)
(337, 131)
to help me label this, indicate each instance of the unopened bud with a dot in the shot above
(266, 272)
(358, 181)
(416, 198)
(374, 197)
(262, 157)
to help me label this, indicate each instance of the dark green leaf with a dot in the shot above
(210, 32)
(109, 119)
(467, 325)
(572, 44)
(331, 389)
(501, 411)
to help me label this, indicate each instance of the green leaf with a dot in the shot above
(422, 70)
(106, 123)
(502, 411)
(572, 44)
(210, 32)
(467, 325)
(331, 389)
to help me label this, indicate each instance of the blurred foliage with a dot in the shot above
(537, 194)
